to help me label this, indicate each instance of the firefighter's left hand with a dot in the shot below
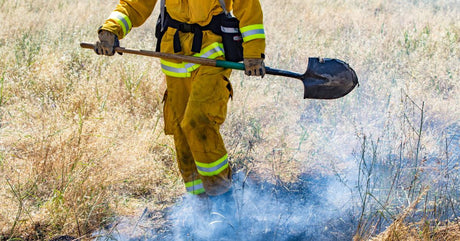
(107, 43)
(254, 67)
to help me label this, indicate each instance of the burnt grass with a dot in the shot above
(301, 210)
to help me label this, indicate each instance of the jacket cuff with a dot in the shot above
(111, 28)
(254, 49)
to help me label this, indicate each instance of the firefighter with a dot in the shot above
(195, 102)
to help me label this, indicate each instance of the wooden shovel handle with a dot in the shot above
(197, 60)
(184, 58)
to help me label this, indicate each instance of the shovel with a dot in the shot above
(325, 78)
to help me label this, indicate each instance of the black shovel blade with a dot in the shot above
(328, 79)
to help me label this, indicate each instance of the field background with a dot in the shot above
(81, 139)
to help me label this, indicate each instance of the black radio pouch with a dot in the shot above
(232, 39)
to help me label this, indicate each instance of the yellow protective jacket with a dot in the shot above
(133, 13)
(194, 112)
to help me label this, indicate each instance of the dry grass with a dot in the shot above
(402, 231)
(81, 135)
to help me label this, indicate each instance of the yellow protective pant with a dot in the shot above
(194, 109)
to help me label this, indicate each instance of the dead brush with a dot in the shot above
(386, 185)
(62, 192)
(398, 230)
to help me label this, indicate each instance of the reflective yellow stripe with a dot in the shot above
(213, 168)
(198, 191)
(122, 20)
(212, 51)
(255, 31)
(175, 74)
(181, 70)
(184, 69)
(195, 187)
(193, 183)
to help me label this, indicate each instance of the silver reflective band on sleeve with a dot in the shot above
(251, 34)
(122, 20)
(255, 31)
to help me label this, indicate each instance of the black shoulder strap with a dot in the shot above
(162, 14)
(222, 4)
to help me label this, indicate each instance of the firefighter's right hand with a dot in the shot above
(255, 67)
(107, 43)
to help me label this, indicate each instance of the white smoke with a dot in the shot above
(310, 209)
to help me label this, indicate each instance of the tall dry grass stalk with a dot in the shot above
(81, 135)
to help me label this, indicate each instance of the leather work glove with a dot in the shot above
(107, 43)
(254, 67)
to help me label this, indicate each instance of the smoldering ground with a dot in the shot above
(383, 175)
(313, 208)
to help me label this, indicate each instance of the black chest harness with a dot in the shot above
(196, 29)
(223, 24)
